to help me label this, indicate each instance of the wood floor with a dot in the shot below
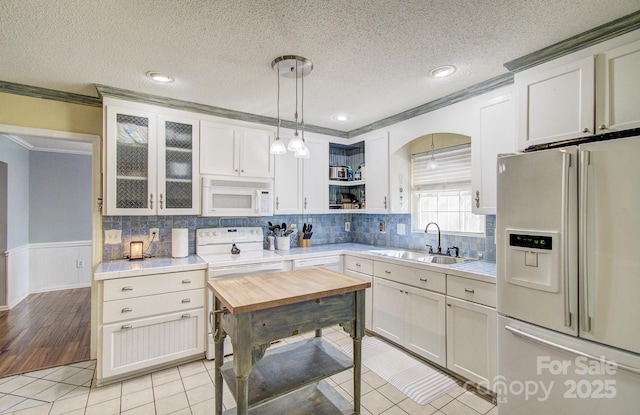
(45, 330)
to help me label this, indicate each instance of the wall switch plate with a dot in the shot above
(154, 232)
(113, 237)
(347, 226)
(80, 263)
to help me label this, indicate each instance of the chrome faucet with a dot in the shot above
(439, 249)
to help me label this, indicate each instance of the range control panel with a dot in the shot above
(215, 236)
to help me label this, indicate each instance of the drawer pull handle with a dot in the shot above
(387, 271)
(186, 315)
(358, 264)
(127, 310)
(186, 300)
(469, 290)
(127, 326)
(127, 288)
(423, 279)
(186, 281)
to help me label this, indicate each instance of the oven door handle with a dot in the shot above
(235, 270)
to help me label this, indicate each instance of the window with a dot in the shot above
(443, 194)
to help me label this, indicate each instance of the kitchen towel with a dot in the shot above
(179, 242)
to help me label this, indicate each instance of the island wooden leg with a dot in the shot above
(357, 335)
(243, 361)
(219, 337)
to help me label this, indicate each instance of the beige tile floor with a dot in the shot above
(189, 390)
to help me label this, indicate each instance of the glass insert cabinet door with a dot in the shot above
(131, 162)
(178, 166)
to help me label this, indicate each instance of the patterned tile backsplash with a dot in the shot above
(327, 229)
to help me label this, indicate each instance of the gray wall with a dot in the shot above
(59, 197)
(17, 159)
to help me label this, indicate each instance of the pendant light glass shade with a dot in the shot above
(277, 147)
(295, 143)
(432, 164)
(302, 153)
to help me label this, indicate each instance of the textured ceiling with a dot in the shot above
(371, 58)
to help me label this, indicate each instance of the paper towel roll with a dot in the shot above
(180, 242)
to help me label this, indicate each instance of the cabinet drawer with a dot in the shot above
(421, 278)
(364, 266)
(471, 290)
(122, 288)
(134, 308)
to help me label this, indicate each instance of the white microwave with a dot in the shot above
(236, 196)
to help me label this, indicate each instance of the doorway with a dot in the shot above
(77, 301)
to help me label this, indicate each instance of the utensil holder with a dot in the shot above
(303, 243)
(283, 243)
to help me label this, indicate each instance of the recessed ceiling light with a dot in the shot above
(341, 117)
(159, 77)
(442, 71)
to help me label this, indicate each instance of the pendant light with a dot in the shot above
(292, 66)
(432, 164)
(278, 147)
(302, 152)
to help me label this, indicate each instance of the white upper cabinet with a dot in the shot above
(315, 185)
(235, 151)
(376, 156)
(151, 162)
(495, 134)
(555, 104)
(593, 95)
(618, 88)
(288, 184)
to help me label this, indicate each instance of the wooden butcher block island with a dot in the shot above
(257, 310)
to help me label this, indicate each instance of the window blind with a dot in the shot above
(452, 172)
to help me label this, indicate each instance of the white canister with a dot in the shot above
(283, 243)
(179, 242)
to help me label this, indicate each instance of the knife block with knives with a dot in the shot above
(304, 241)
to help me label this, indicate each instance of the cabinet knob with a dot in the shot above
(358, 264)
(236, 170)
(151, 201)
(305, 202)
(385, 202)
(477, 198)
(585, 130)
(160, 201)
(242, 171)
(277, 202)
(469, 290)
(423, 279)
(387, 271)
(602, 127)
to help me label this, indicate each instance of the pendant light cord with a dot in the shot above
(302, 105)
(278, 125)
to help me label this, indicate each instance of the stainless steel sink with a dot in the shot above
(444, 260)
(420, 256)
(402, 254)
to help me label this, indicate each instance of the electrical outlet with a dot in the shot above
(154, 232)
(80, 263)
(347, 226)
(113, 237)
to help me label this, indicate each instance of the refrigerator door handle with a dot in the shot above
(602, 360)
(566, 164)
(584, 275)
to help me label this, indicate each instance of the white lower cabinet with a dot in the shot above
(142, 343)
(410, 316)
(363, 269)
(150, 321)
(472, 329)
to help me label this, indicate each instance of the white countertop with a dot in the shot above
(477, 269)
(125, 268)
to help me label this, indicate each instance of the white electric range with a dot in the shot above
(214, 245)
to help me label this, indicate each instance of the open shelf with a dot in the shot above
(287, 368)
(317, 398)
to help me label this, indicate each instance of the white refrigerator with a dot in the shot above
(568, 280)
